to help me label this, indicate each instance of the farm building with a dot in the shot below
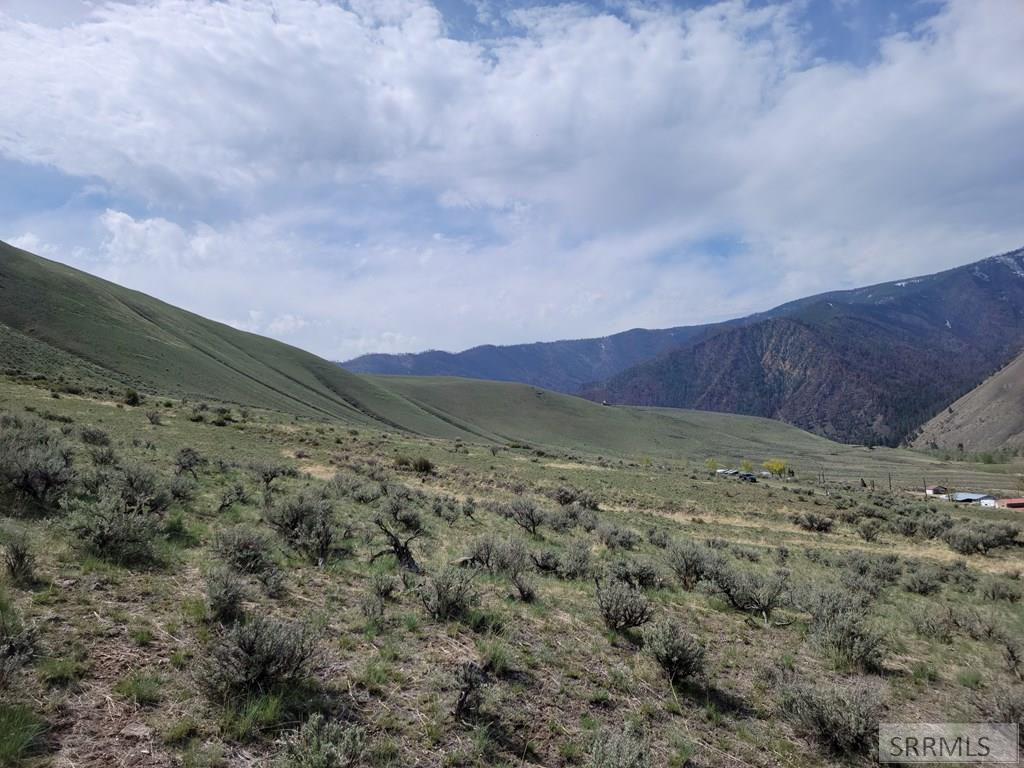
(974, 498)
(936, 490)
(1010, 503)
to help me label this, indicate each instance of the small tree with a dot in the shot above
(777, 467)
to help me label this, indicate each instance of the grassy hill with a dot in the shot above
(52, 315)
(988, 418)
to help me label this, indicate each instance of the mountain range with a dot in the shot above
(869, 365)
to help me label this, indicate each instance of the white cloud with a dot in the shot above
(297, 158)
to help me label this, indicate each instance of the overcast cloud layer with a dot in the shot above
(384, 175)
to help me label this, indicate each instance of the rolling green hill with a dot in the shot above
(54, 315)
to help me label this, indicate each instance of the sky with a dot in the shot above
(399, 175)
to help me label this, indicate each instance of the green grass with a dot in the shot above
(247, 720)
(20, 732)
(62, 672)
(143, 688)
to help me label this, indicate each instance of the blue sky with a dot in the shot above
(396, 175)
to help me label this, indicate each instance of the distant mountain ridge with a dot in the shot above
(865, 365)
(565, 366)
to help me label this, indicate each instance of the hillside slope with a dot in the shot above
(987, 418)
(53, 315)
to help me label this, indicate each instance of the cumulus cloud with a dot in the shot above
(353, 178)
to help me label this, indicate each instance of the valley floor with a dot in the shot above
(821, 607)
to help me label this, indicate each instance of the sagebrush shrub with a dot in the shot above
(638, 574)
(524, 513)
(94, 436)
(483, 551)
(997, 589)
(266, 473)
(1006, 705)
(450, 594)
(183, 489)
(307, 523)
(138, 489)
(235, 494)
(691, 562)
(749, 591)
(372, 606)
(224, 594)
(926, 580)
(614, 537)
(839, 625)
(243, 549)
(19, 562)
(659, 537)
(384, 585)
(103, 457)
(869, 529)
(621, 606)
(574, 562)
(811, 521)
(626, 748)
(933, 623)
(108, 531)
(34, 462)
(525, 585)
(17, 647)
(843, 719)
(678, 652)
(979, 537)
(258, 656)
(189, 460)
(545, 561)
(471, 679)
(566, 495)
(323, 744)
